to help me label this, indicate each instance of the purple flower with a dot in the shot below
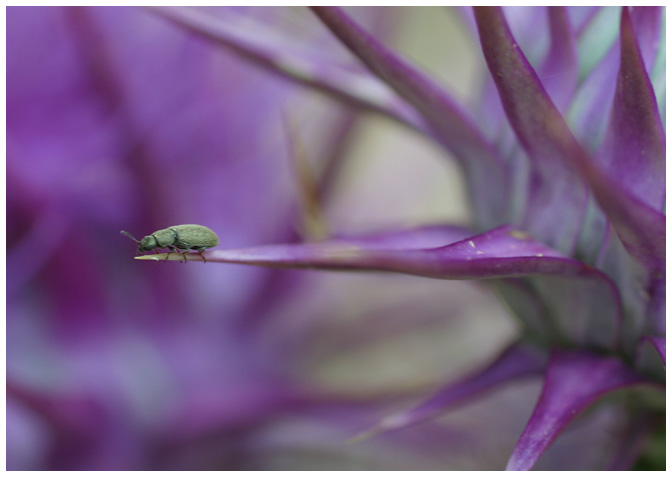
(572, 210)
(136, 120)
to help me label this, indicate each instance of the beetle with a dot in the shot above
(178, 238)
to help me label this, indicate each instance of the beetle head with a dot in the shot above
(140, 244)
(147, 243)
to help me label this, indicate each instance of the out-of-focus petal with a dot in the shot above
(588, 114)
(219, 410)
(574, 380)
(596, 37)
(517, 361)
(658, 77)
(646, 22)
(452, 126)
(75, 421)
(560, 69)
(581, 16)
(278, 54)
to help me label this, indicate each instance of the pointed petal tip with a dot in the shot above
(574, 380)
(387, 424)
(363, 436)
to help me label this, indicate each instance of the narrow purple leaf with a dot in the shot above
(560, 69)
(589, 112)
(502, 252)
(594, 316)
(640, 228)
(452, 126)
(272, 51)
(543, 132)
(558, 197)
(634, 149)
(517, 361)
(581, 17)
(646, 22)
(426, 236)
(574, 380)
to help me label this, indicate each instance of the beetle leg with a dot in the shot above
(182, 251)
(200, 252)
(157, 252)
(171, 249)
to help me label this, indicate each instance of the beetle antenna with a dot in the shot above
(123, 232)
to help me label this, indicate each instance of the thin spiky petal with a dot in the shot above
(634, 149)
(542, 130)
(574, 380)
(452, 125)
(516, 362)
(560, 69)
(500, 253)
(557, 196)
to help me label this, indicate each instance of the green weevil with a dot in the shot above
(178, 238)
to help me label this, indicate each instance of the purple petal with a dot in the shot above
(557, 198)
(574, 380)
(581, 17)
(427, 236)
(278, 285)
(634, 149)
(589, 112)
(75, 422)
(277, 54)
(517, 361)
(647, 25)
(543, 132)
(592, 316)
(452, 126)
(502, 252)
(560, 69)
(245, 406)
